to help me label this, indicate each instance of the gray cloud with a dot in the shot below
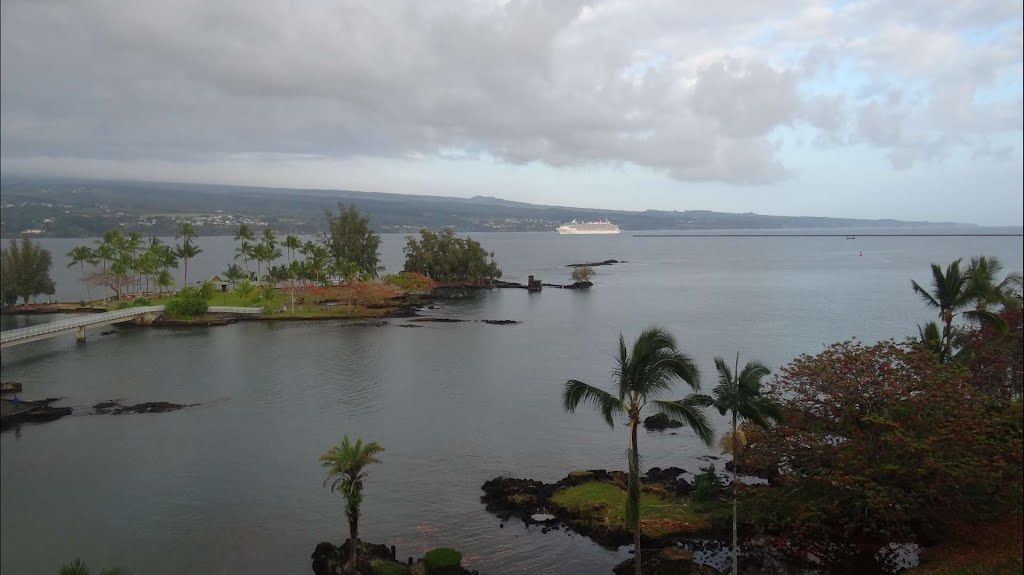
(684, 88)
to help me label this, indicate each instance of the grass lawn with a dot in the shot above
(282, 298)
(605, 503)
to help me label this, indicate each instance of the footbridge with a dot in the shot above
(142, 315)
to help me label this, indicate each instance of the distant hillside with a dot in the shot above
(82, 208)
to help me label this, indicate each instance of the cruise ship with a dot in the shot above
(596, 227)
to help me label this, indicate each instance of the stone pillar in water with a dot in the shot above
(80, 335)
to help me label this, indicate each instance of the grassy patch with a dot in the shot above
(605, 504)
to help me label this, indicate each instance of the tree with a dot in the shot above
(292, 244)
(26, 271)
(982, 277)
(234, 274)
(345, 466)
(443, 257)
(245, 290)
(582, 273)
(349, 238)
(882, 442)
(82, 255)
(78, 567)
(651, 368)
(954, 292)
(739, 393)
(186, 250)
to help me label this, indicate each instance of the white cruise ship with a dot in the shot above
(597, 227)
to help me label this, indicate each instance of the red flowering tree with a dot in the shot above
(996, 357)
(881, 442)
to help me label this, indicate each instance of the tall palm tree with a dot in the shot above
(648, 371)
(292, 244)
(345, 465)
(185, 252)
(739, 393)
(82, 255)
(954, 293)
(983, 273)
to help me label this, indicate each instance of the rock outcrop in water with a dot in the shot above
(660, 421)
(114, 407)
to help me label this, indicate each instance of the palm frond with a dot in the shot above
(724, 371)
(986, 318)
(690, 411)
(576, 392)
(927, 297)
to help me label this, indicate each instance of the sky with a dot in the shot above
(908, 109)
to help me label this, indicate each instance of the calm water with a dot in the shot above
(234, 484)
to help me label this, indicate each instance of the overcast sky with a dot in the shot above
(878, 108)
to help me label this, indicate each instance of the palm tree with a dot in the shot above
(292, 244)
(982, 273)
(953, 293)
(344, 464)
(186, 232)
(233, 274)
(245, 289)
(739, 393)
(651, 368)
(269, 237)
(164, 280)
(185, 252)
(82, 255)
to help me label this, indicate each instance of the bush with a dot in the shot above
(442, 561)
(186, 304)
(706, 485)
(582, 273)
(410, 281)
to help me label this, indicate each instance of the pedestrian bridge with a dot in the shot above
(144, 314)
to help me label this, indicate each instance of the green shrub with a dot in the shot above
(706, 485)
(442, 561)
(389, 568)
(582, 273)
(141, 302)
(123, 305)
(186, 304)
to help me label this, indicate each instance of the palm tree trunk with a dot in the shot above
(735, 497)
(949, 338)
(634, 467)
(353, 544)
(88, 290)
(186, 272)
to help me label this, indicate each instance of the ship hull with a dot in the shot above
(585, 232)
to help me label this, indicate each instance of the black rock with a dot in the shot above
(660, 421)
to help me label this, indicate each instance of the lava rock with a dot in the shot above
(660, 421)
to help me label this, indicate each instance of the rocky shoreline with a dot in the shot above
(328, 559)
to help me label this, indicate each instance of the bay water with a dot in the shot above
(233, 484)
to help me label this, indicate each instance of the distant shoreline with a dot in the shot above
(827, 236)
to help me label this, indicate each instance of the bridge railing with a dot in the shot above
(76, 322)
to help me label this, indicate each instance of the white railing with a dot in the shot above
(63, 325)
(77, 322)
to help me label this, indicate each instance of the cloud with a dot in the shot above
(700, 92)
